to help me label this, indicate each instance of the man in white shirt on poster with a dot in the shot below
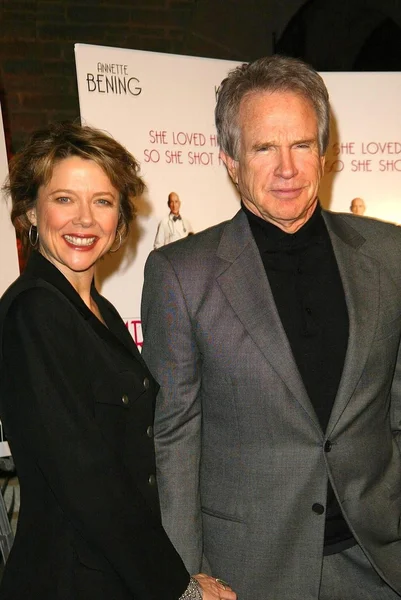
(174, 227)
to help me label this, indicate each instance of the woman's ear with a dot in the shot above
(31, 214)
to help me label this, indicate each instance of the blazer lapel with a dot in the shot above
(360, 278)
(115, 333)
(245, 285)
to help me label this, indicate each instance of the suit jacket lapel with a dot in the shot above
(39, 267)
(360, 278)
(244, 283)
(115, 332)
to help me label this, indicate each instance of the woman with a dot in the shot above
(76, 399)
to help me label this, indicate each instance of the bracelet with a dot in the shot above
(193, 591)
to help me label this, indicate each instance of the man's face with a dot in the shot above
(279, 167)
(174, 204)
(358, 206)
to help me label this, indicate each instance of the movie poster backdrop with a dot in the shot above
(161, 107)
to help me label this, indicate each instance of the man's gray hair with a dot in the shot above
(269, 74)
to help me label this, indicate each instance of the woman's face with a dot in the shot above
(76, 215)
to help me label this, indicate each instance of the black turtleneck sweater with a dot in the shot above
(307, 289)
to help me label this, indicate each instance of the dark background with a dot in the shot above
(37, 37)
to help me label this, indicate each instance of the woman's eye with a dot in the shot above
(104, 201)
(63, 199)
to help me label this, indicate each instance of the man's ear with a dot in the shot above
(231, 166)
(322, 163)
(31, 214)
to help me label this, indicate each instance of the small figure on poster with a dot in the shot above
(174, 226)
(358, 207)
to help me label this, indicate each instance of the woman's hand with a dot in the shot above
(214, 589)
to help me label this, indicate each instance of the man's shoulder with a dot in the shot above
(197, 244)
(164, 220)
(380, 240)
(186, 221)
(365, 226)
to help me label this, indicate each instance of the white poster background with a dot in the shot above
(167, 122)
(364, 157)
(176, 95)
(9, 269)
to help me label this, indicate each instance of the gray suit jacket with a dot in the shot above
(240, 452)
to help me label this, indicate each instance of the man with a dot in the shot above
(275, 339)
(358, 207)
(174, 227)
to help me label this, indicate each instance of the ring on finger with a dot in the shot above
(222, 583)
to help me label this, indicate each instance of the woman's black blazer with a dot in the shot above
(77, 403)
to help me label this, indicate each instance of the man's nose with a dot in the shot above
(286, 164)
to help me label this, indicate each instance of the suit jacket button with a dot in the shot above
(318, 508)
(125, 399)
(328, 446)
(149, 431)
(152, 480)
(146, 383)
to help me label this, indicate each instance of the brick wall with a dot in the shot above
(37, 67)
(37, 37)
